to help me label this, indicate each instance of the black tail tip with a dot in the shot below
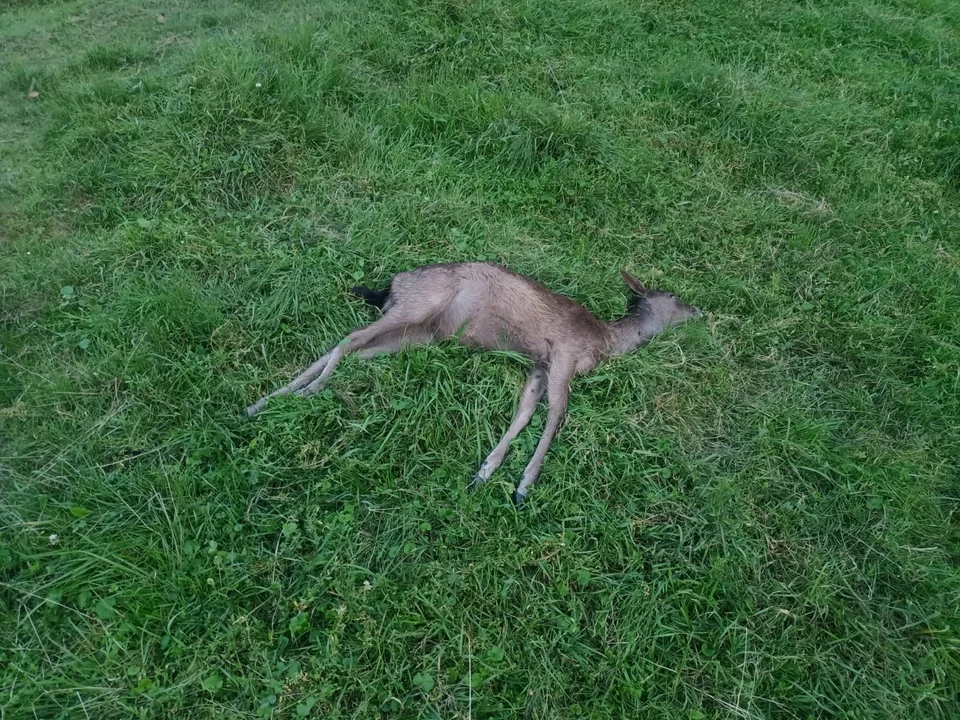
(377, 298)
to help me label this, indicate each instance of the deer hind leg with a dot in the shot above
(386, 335)
(558, 390)
(529, 398)
(312, 379)
(298, 382)
(396, 340)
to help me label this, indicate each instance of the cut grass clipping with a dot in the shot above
(755, 517)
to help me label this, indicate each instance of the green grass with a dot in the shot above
(755, 517)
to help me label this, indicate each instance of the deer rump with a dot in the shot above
(487, 306)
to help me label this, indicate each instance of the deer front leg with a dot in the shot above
(558, 389)
(529, 397)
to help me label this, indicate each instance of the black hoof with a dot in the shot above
(477, 482)
(518, 500)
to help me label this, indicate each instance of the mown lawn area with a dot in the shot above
(754, 517)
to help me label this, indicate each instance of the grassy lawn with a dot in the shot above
(754, 517)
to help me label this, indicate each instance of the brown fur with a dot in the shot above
(493, 308)
(490, 307)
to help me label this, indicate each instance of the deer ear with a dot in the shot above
(633, 283)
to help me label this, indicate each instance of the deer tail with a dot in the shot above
(377, 298)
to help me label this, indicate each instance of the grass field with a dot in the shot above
(754, 517)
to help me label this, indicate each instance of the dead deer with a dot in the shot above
(490, 307)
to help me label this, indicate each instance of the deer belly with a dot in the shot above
(497, 334)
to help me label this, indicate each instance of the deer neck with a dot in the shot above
(630, 332)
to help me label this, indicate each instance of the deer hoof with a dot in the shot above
(518, 500)
(477, 482)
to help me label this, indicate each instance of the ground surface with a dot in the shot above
(754, 518)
